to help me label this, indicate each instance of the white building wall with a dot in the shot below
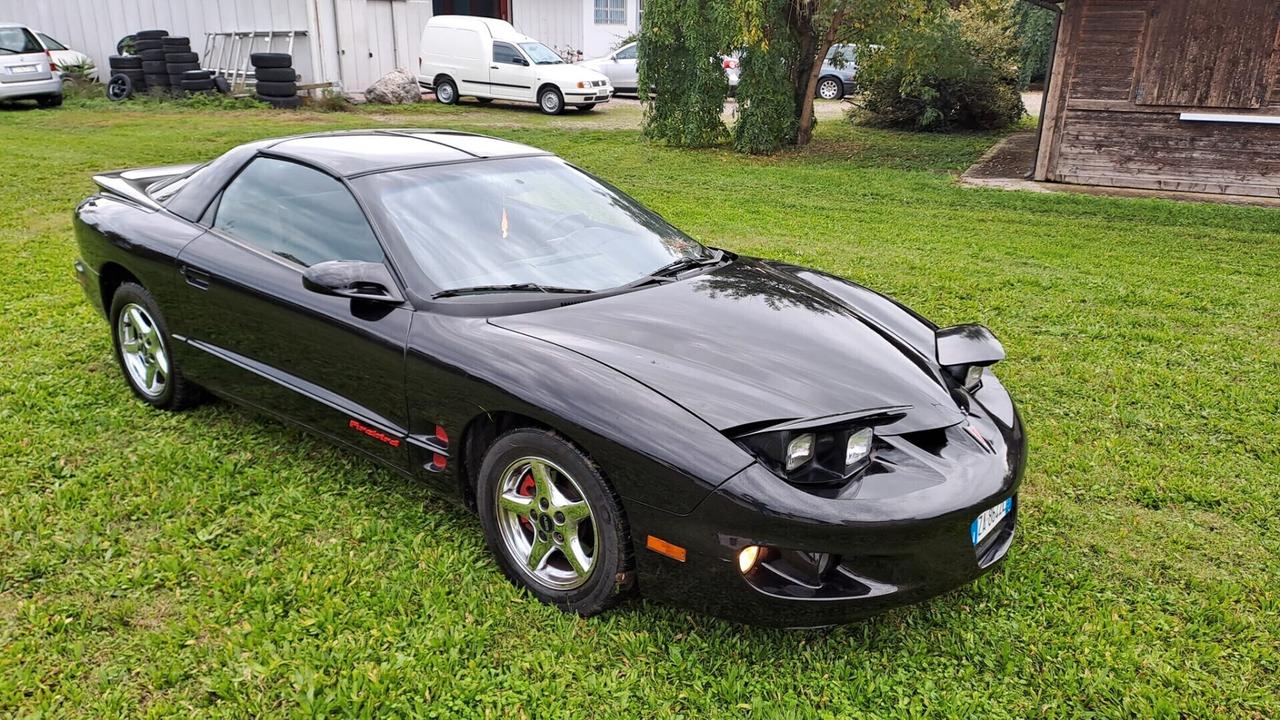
(599, 40)
(555, 23)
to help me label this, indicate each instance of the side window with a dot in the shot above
(50, 43)
(626, 53)
(504, 53)
(294, 212)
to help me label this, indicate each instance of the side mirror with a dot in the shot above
(352, 279)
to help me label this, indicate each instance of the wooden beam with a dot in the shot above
(1056, 94)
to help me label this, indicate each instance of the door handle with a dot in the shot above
(494, 67)
(195, 278)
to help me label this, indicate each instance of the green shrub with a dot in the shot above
(680, 47)
(955, 73)
(766, 101)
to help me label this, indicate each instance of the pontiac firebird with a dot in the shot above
(624, 408)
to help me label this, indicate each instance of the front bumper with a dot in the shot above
(901, 536)
(584, 96)
(31, 88)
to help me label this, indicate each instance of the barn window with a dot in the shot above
(1207, 53)
(611, 12)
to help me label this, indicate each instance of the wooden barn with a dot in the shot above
(1164, 95)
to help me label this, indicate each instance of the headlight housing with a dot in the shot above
(830, 455)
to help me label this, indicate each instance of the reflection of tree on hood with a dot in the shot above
(777, 290)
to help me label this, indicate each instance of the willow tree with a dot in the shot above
(680, 46)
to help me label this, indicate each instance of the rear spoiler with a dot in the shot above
(133, 184)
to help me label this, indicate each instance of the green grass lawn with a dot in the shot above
(218, 563)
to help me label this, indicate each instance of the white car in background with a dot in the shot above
(26, 69)
(620, 66)
(63, 56)
(484, 58)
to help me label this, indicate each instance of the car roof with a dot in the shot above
(13, 25)
(360, 152)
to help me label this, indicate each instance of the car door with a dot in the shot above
(22, 57)
(332, 364)
(621, 71)
(510, 73)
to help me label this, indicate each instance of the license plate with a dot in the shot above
(988, 520)
(16, 69)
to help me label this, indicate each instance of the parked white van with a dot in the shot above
(484, 58)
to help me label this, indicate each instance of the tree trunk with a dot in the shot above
(801, 21)
(809, 88)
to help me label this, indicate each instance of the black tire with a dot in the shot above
(221, 85)
(125, 44)
(141, 46)
(155, 67)
(830, 87)
(197, 75)
(120, 87)
(180, 56)
(277, 89)
(271, 60)
(274, 74)
(176, 41)
(156, 80)
(151, 34)
(282, 103)
(609, 577)
(197, 85)
(49, 101)
(446, 92)
(152, 55)
(177, 68)
(124, 62)
(174, 80)
(176, 392)
(550, 101)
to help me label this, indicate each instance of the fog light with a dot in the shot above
(799, 451)
(859, 447)
(748, 557)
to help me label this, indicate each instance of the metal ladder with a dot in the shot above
(227, 53)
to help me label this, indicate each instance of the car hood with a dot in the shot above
(751, 342)
(568, 73)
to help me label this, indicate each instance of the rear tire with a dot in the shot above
(446, 92)
(570, 511)
(550, 101)
(830, 88)
(144, 350)
(49, 101)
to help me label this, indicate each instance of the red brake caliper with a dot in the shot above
(526, 489)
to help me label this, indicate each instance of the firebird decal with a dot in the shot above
(373, 433)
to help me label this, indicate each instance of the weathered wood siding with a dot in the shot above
(1127, 70)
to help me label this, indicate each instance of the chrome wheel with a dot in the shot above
(142, 350)
(445, 93)
(829, 89)
(546, 524)
(550, 102)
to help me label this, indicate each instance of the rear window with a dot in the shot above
(18, 41)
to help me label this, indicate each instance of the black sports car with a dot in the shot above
(623, 407)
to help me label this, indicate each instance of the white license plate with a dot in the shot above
(988, 520)
(18, 69)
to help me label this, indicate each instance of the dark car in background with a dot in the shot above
(624, 407)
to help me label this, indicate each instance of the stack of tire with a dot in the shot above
(149, 46)
(130, 65)
(179, 60)
(277, 82)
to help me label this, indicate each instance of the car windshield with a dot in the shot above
(523, 221)
(18, 41)
(541, 54)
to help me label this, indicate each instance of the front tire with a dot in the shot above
(446, 92)
(143, 349)
(553, 523)
(550, 101)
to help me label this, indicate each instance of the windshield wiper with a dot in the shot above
(679, 265)
(513, 287)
